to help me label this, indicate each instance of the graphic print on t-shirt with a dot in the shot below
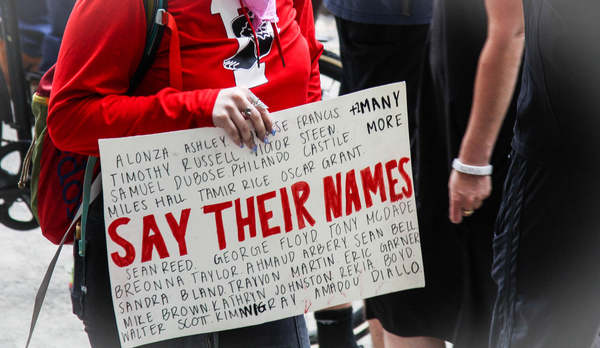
(244, 63)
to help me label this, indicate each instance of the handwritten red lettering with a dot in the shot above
(389, 167)
(179, 228)
(121, 261)
(373, 183)
(249, 221)
(408, 190)
(352, 197)
(266, 215)
(218, 210)
(287, 213)
(151, 241)
(300, 192)
(332, 193)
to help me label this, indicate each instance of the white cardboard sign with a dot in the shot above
(205, 236)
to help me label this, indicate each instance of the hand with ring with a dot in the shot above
(467, 213)
(466, 194)
(233, 107)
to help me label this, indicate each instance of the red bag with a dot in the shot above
(56, 176)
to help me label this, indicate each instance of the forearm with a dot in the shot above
(93, 74)
(494, 86)
(497, 73)
(76, 124)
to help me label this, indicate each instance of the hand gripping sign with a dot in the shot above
(204, 236)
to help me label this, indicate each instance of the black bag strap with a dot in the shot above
(154, 33)
(154, 30)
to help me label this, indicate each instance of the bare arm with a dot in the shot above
(494, 85)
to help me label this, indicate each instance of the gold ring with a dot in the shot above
(468, 213)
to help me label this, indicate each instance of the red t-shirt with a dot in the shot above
(102, 48)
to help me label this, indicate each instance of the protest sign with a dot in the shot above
(203, 235)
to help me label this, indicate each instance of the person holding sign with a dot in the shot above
(547, 231)
(210, 58)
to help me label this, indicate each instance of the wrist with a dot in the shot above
(478, 170)
(481, 157)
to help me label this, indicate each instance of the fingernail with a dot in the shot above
(266, 140)
(273, 132)
(241, 146)
(255, 149)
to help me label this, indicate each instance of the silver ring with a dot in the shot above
(257, 102)
(247, 113)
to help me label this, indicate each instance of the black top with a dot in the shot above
(559, 105)
(458, 33)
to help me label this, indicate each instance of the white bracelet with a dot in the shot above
(472, 170)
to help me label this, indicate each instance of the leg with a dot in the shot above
(393, 341)
(376, 332)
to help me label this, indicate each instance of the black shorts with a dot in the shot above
(457, 301)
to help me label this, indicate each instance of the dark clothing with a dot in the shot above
(458, 34)
(547, 238)
(456, 304)
(96, 307)
(58, 13)
(431, 311)
(559, 103)
(374, 55)
(335, 328)
(546, 259)
(33, 23)
(393, 12)
(41, 25)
